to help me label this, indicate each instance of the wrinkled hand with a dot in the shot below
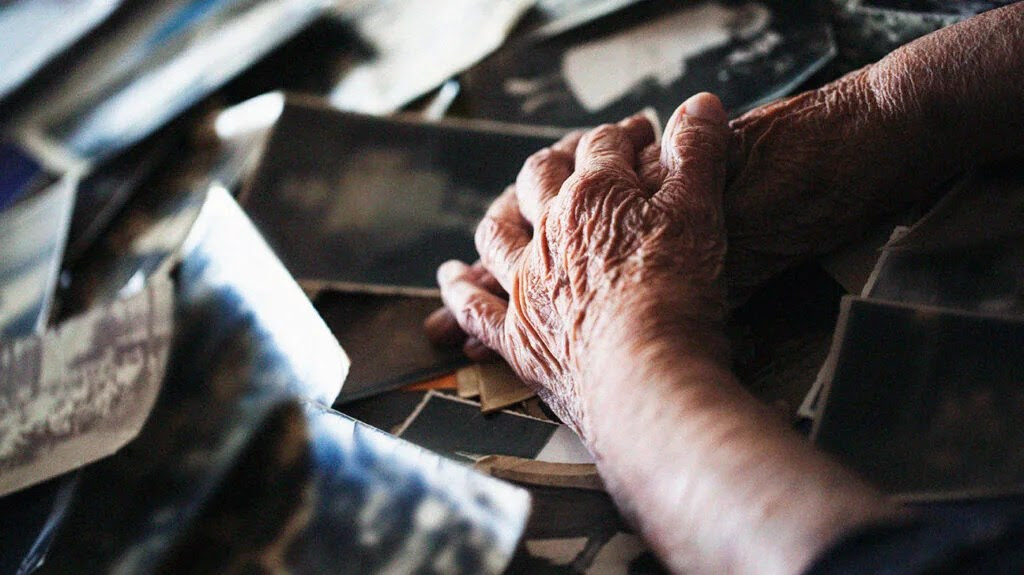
(810, 173)
(606, 239)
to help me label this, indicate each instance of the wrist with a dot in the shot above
(644, 355)
(679, 442)
(656, 328)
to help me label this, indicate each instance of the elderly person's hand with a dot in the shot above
(601, 283)
(609, 239)
(605, 293)
(810, 173)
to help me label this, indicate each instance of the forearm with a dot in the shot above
(715, 481)
(957, 93)
(815, 171)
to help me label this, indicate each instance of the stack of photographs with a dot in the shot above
(926, 402)
(87, 118)
(921, 392)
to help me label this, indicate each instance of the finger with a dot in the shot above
(501, 237)
(477, 351)
(485, 279)
(442, 329)
(479, 313)
(606, 148)
(693, 154)
(649, 169)
(543, 174)
(639, 130)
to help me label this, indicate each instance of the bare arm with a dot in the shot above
(811, 172)
(602, 282)
(615, 314)
(716, 481)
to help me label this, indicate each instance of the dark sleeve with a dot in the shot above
(953, 542)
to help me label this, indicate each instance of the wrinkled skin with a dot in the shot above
(604, 269)
(815, 171)
(811, 173)
(601, 230)
(610, 249)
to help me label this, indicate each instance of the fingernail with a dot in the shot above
(705, 106)
(448, 270)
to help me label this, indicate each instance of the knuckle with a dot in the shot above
(574, 135)
(613, 167)
(602, 132)
(567, 145)
(589, 182)
(546, 155)
(484, 235)
(540, 165)
(602, 179)
(538, 159)
(489, 240)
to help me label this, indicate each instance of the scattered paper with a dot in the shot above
(499, 386)
(456, 428)
(418, 44)
(84, 389)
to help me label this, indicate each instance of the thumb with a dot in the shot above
(693, 152)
